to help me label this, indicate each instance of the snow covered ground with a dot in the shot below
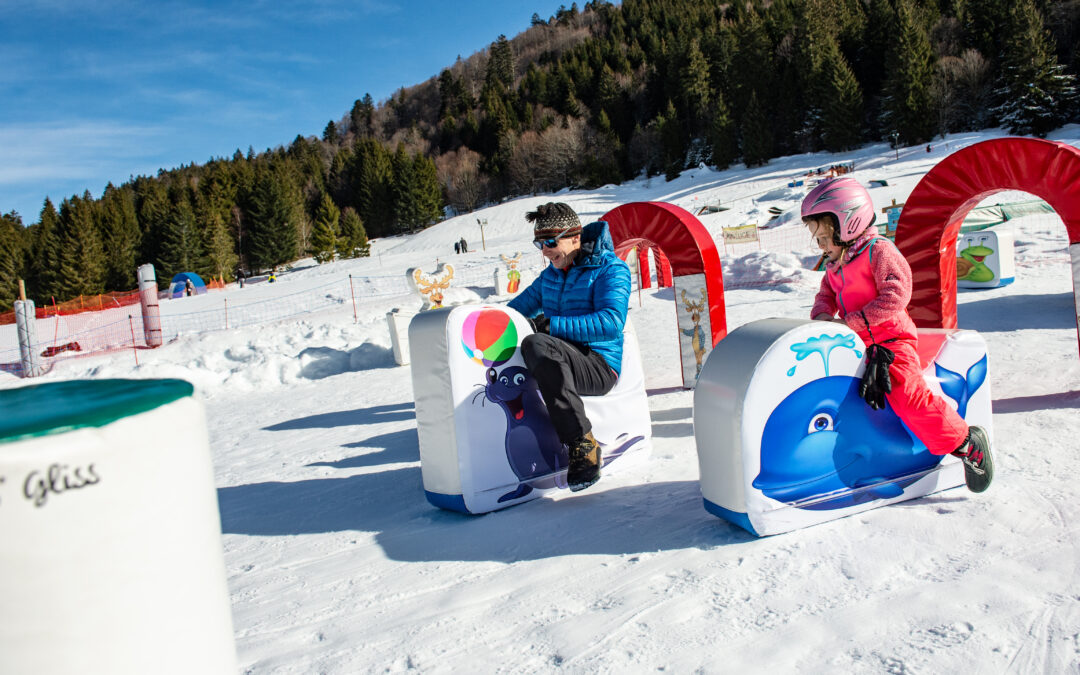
(337, 564)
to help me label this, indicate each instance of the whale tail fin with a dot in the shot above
(960, 388)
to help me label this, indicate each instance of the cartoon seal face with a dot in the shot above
(823, 438)
(532, 447)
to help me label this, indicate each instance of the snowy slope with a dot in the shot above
(337, 564)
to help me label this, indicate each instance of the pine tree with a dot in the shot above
(500, 69)
(909, 103)
(428, 190)
(82, 260)
(722, 135)
(272, 235)
(181, 245)
(694, 84)
(324, 236)
(120, 235)
(353, 242)
(841, 104)
(1037, 94)
(373, 184)
(330, 133)
(13, 248)
(753, 67)
(362, 116)
(44, 282)
(757, 136)
(671, 142)
(984, 23)
(152, 203)
(221, 258)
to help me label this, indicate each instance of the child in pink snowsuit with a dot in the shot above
(867, 284)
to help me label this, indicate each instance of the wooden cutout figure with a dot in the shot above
(513, 276)
(431, 286)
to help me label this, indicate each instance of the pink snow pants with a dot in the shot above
(929, 417)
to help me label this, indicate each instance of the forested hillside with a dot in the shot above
(589, 96)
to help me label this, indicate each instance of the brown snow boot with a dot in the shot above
(584, 463)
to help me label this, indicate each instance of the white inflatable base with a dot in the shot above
(784, 441)
(486, 442)
(110, 537)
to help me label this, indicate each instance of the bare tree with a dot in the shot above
(972, 91)
(459, 174)
(547, 160)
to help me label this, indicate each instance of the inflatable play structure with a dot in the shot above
(110, 535)
(641, 269)
(985, 259)
(695, 272)
(486, 441)
(178, 285)
(933, 214)
(784, 440)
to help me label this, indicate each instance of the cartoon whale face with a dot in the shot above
(824, 438)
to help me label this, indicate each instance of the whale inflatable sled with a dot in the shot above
(785, 441)
(486, 441)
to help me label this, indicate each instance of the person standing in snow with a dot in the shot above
(868, 284)
(578, 307)
(189, 287)
(464, 245)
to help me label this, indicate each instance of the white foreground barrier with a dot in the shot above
(486, 441)
(110, 538)
(784, 440)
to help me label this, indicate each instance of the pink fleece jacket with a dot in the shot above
(867, 289)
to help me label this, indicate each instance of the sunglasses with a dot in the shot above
(549, 243)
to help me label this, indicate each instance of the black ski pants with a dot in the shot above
(565, 371)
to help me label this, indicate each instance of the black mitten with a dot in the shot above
(875, 381)
(540, 323)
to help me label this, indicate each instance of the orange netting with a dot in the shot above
(83, 303)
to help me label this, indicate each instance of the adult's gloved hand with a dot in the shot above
(875, 380)
(540, 323)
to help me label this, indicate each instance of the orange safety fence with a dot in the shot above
(79, 305)
(94, 303)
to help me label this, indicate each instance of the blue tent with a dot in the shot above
(179, 283)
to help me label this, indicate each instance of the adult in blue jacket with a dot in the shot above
(578, 305)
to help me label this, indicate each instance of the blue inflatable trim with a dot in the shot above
(1005, 281)
(448, 502)
(740, 519)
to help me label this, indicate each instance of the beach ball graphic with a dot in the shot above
(489, 337)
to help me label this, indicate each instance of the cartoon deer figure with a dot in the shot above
(513, 276)
(696, 334)
(431, 286)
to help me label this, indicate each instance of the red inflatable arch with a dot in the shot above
(688, 247)
(931, 218)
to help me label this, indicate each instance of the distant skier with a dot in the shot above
(868, 282)
(189, 288)
(464, 246)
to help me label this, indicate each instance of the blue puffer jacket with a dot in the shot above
(588, 302)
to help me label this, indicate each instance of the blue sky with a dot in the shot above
(93, 91)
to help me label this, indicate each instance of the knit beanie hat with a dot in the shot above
(552, 220)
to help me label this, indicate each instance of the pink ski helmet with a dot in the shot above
(848, 201)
